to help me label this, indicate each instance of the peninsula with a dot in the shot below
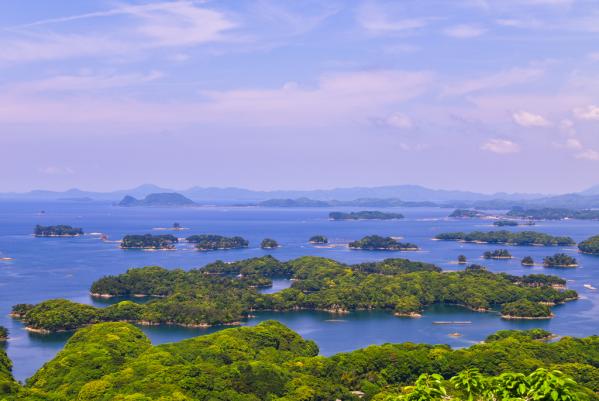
(522, 238)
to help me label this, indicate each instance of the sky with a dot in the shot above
(483, 95)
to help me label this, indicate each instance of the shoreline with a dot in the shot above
(510, 317)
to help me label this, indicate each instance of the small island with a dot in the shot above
(3, 334)
(60, 230)
(590, 245)
(269, 243)
(462, 259)
(523, 238)
(299, 202)
(211, 242)
(527, 261)
(548, 213)
(378, 243)
(169, 199)
(560, 260)
(467, 214)
(505, 223)
(149, 241)
(318, 239)
(365, 215)
(497, 254)
(525, 309)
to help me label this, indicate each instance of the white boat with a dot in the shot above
(589, 287)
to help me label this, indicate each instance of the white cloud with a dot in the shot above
(377, 20)
(590, 112)
(573, 143)
(399, 120)
(527, 119)
(588, 154)
(501, 146)
(514, 76)
(464, 31)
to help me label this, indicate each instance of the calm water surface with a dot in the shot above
(45, 268)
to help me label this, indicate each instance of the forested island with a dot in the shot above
(505, 223)
(590, 245)
(269, 243)
(3, 333)
(116, 361)
(378, 243)
(548, 213)
(467, 213)
(225, 293)
(149, 241)
(525, 309)
(560, 260)
(60, 230)
(527, 261)
(365, 215)
(160, 199)
(211, 242)
(507, 238)
(318, 239)
(497, 254)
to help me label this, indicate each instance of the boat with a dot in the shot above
(452, 322)
(589, 287)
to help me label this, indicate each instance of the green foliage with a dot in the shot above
(527, 261)
(365, 215)
(209, 242)
(467, 213)
(524, 238)
(149, 241)
(269, 243)
(462, 259)
(590, 245)
(318, 239)
(57, 231)
(3, 333)
(548, 213)
(378, 243)
(497, 254)
(560, 260)
(59, 315)
(505, 223)
(524, 308)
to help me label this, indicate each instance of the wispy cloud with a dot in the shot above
(464, 31)
(378, 20)
(399, 121)
(501, 146)
(588, 154)
(502, 79)
(590, 112)
(527, 119)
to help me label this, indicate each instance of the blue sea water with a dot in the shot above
(45, 268)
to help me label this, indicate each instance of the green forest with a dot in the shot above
(60, 230)
(211, 242)
(522, 238)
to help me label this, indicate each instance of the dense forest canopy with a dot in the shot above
(116, 361)
(497, 254)
(523, 238)
(225, 293)
(378, 243)
(590, 245)
(149, 241)
(211, 242)
(60, 230)
(560, 260)
(365, 215)
(318, 239)
(548, 213)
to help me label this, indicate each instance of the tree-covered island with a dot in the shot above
(560, 260)
(225, 293)
(548, 213)
(590, 245)
(497, 254)
(504, 237)
(365, 215)
(3, 334)
(505, 223)
(117, 362)
(318, 239)
(149, 241)
(60, 230)
(467, 214)
(211, 242)
(269, 243)
(525, 309)
(527, 261)
(378, 243)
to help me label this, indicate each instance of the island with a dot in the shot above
(548, 213)
(226, 293)
(590, 245)
(462, 259)
(525, 309)
(211, 242)
(299, 202)
(378, 243)
(149, 241)
(269, 243)
(269, 361)
(3, 334)
(318, 239)
(523, 238)
(560, 260)
(169, 199)
(497, 254)
(365, 215)
(60, 230)
(527, 261)
(468, 214)
(505, 223)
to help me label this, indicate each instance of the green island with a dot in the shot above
(525, 309)
(504, 237)
(468, 214)
(378, 243)
(211, 242)
(318, 239)
(60, 230)
(3, 333)
(527, 261)
(226, 293)
(505, 223)
(269, 243)
(590, 245)
(497, 254)
(549, 213)
(365, 215)
(169, 199)
(116, 361)
(462, 259)
(560, 260)
(149, 241)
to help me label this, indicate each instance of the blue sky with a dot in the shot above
(487, 95)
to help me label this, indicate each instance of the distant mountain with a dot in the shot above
(160, 199)
(592, 191)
